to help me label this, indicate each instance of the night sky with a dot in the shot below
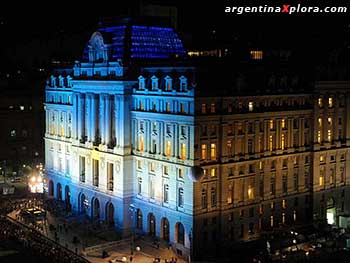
(38, 32)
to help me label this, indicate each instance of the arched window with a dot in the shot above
(139, 219)
(180, 230)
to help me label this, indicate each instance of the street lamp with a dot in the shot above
(132, 211)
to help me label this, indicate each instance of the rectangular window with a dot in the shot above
(82, 169)
(141, 144)
(151, 189)
(180, 172)
(213, 172)
(183, 151)
(270, 142)
(204, 151)
(271, 125)
(251, 106)
(166, 193)
(213, 197)
(282, 142)
(181, 197)
(168, 149)
(165, 170)
(110, 176)
(139, 164)
(152, 167)
(204, 108)
(230, 194)
(139, 185)
(229, 147)
(329, 135)
(182, 108)
(95, 172)
(167, 107)
(67, 166)
(320, 102)
(319, 136)
(212, 108)
(283, 123)
(212, 151)
(250, 192)
(330, 102)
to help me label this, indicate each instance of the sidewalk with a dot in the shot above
(65, 230)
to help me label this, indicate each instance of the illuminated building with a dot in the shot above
(204, 167)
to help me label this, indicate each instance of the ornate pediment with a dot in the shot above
(97, 48)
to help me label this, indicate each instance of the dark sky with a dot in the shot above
(34, 30)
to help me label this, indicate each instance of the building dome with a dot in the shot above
(131, 39)
(196, 173)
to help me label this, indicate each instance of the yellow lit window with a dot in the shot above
(283, 218)
(229, 146)
(321, 179)
(181, 175)
(204, 151)
(250, 192)
(61, 131)
(329, 120)
(183, 151)
(318, 136)
(284, 204)
(283, 123)
(271, 221)
(152, 167)
(141, 105)
(139, 164)
(270, 142)
(261, 166)
(321, 158)
(251, 106)
(282, 141)
(320, 102)
(329, 135)
(204, 108)
(213, 151)
(141, 144)
(320, 122)
(256, 54)
(168, 149)
(212, 108)
(212, 172)
(230, 194)
(295, 215)
(271, 125)
(330, 102)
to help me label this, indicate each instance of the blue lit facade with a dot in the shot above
(113, 142)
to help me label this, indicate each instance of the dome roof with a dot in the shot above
(129, 39)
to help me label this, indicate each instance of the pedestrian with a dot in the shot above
(130, 258)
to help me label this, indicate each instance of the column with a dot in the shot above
(87, 117)
(75, 116)
(101, 113)
(176, 140)
(116, 120)
(107, 119)
(301, 132)
(47, 121)
(161, 135)
(93, 118)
